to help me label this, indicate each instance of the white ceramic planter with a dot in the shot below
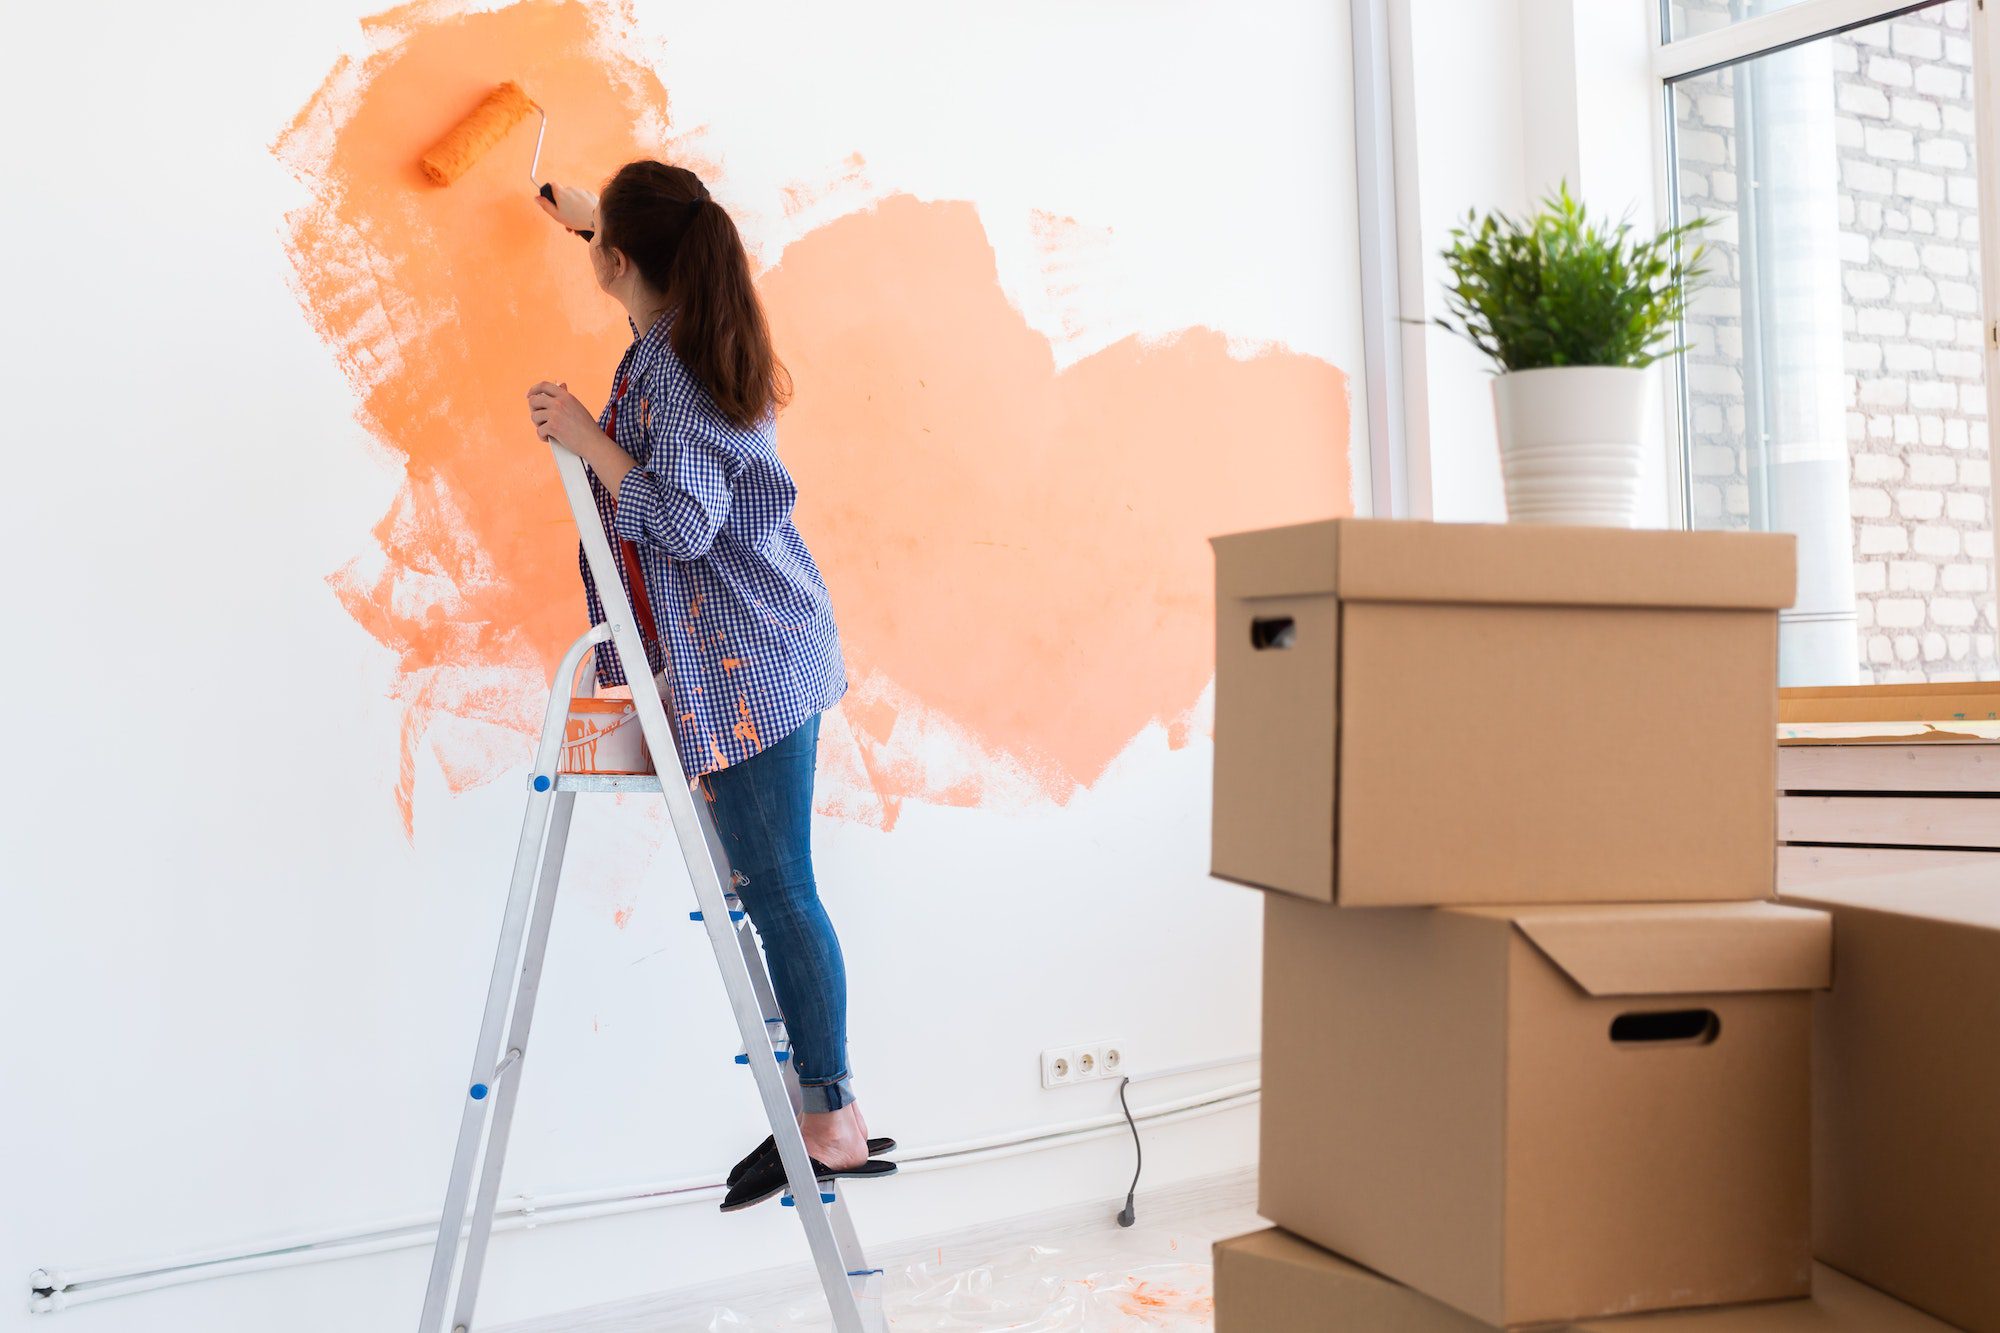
(1571, 440)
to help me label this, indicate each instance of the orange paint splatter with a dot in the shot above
(622, 917)
(731, 663)
(746, 725)
(1049, 523)
(850, 180)
(1150, 1300)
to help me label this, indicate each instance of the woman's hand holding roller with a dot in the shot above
(563, 421)
(572, 207)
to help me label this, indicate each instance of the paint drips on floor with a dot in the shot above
(1016, 552)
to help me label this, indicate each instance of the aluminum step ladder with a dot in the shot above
(851, 1286)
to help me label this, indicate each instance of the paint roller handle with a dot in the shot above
(548, 192)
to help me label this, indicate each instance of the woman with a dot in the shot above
(736, 618)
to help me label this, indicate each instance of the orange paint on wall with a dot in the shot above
(1020, 548)
(442, 307)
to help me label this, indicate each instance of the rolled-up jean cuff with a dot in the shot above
(818, 1097)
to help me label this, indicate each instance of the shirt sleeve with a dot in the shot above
(679, 499)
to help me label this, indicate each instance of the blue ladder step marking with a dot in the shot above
(863, 1272)
(824, 1197)
(744, 1058)
(543, 782)
(697, 916)
(479, 1091)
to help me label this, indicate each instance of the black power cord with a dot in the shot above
(1130, 1214)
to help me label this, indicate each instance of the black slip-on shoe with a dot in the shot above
(769, 1147)
(766, 1179)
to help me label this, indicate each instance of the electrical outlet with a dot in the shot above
(1058, 1069)
(1065, 1065)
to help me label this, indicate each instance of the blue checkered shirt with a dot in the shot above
(745, 626)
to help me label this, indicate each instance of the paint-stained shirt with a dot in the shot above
(745, 629)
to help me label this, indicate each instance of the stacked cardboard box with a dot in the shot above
(1906, 1090)
(1273, 1282)
(1537, 1040)
(1906, 1079)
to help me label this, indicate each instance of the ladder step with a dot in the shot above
(729, 900)
(601, 782)
(781, 1042)
(824, 1197)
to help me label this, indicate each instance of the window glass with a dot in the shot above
(1833, 383)
(1692, 18)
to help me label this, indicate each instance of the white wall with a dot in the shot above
(1502, 101)
(241, 1001)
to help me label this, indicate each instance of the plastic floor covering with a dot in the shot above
(1144, 1278)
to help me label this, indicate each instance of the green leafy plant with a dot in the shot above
(1561, 288)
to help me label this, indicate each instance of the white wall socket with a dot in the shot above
(1064, 1065)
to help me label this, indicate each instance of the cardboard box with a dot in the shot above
(1411, 713)
(1906, 1090)
(1271, 1282)
(1535, 1114)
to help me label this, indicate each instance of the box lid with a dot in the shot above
(1679, 948)
(1402, 560)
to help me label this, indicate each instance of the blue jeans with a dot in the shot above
(763, 810)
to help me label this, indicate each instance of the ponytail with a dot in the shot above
(687, 247)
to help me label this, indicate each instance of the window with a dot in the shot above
(1834, 382)
(1693, 18)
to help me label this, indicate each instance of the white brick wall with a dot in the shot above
(1913, 354)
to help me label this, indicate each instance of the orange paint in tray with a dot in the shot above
(603, 736)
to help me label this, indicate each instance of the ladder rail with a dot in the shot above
(507, 1079)
(500, 989)
(487, 1115)
(708, 872)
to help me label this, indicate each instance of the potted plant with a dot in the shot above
(1572, 311)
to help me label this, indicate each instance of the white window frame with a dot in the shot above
(1379, 213)
(1811, 20)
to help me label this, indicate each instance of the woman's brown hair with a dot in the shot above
(687, 248)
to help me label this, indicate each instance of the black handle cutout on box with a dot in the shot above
(1272, 632)
(1672, 1027)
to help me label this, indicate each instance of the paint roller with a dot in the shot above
(472, 138)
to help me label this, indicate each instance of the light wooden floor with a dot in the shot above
(1072, 1269)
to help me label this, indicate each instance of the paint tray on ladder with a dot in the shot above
(603, 736)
